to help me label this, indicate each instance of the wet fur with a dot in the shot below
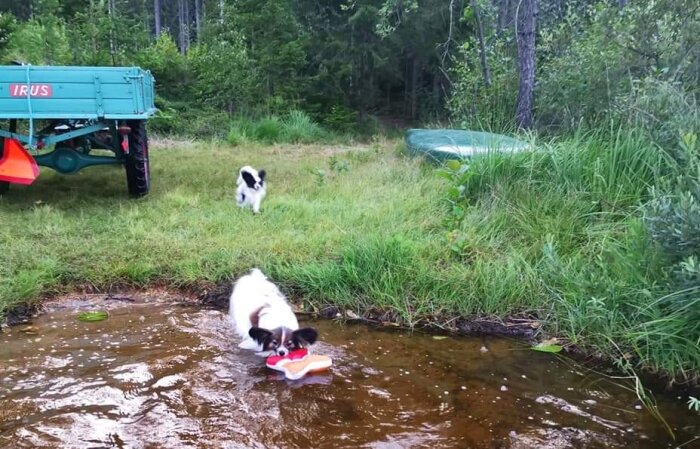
(263, 319)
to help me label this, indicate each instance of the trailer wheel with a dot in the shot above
(138, 175)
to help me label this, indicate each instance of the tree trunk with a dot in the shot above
(526, 22)
(198, 8)
(157, 18)
(482, 46)
(503, 13)
(414, 88)
(187, 21)
(181, 25)
(111, 9)
(221, 12)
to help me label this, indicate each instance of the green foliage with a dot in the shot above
(169, 67)
(673, 214)
(298, 127)
(665, 110)
(39, 42)
(268, 130)
(235, 137)
(276, 44)
(693, 403)
(94, 315)
(8, 24)
(475, 106)
(570, 212)
(340, 118)
(225, 75)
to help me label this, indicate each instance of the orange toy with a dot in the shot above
(16, 164)
(297, 364)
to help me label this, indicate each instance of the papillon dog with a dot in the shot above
(263, 318)
(251, 188)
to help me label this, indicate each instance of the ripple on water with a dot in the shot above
(156, 375)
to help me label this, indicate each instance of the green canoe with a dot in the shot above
(443, 144)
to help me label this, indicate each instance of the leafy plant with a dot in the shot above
(268, 130)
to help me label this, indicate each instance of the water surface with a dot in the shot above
(160, 375)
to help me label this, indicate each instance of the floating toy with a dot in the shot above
(298, 363)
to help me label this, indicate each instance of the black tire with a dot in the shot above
(4, 185)
(138, 171)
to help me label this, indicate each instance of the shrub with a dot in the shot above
(299, 128)
(673, 215)
(340, 118)
(663, 109)
(268, 129)
(235, 137)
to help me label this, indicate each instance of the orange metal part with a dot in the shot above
(16, 164)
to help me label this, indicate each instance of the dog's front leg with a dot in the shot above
(256, 204)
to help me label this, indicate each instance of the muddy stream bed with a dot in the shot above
(161, 375)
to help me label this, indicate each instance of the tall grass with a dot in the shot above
(573, 212)
(294, 127)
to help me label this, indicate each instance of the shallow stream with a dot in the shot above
(162, 375)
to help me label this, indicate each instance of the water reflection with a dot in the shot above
(158, 375)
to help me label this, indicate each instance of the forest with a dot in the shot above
(358, 64)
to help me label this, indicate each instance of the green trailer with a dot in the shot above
(75, 117)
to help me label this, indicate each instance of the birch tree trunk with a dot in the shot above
(157, 17)
(526, 20)
(111, 7)
(198, 8)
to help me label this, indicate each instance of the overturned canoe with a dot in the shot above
(443, 144)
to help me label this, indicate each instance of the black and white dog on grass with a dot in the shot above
(263, 318)
(251, 188)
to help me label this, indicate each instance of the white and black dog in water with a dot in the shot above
(263, 318)
(251, 188)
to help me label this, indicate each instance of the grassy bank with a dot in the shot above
(557, 233)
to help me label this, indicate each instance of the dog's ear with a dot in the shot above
(259, 334)
(262, 174)
(305, 337)
(248, 178)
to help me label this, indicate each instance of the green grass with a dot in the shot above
(572, 213)
(66, 231)
(294, 127)
(557, 233)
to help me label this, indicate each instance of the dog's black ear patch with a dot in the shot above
(248, 178)
(260, 335)
(305, 337)
(262, 174)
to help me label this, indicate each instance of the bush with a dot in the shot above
(235, 137)
(673, 215)
(169, 67)
(340, 118)
(663, 109)
(299, 128)
(268, 130)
